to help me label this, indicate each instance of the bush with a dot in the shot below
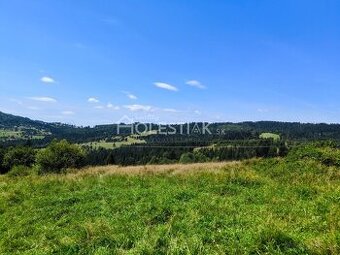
(20, 171)
(187, 158)
(200, 157)
(59, 156)
(2, 154)
(194, 157)
(162, 160)
(329, 156)
(16, 156)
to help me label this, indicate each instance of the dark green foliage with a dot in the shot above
(187, 158)
(172, 152)
(20, 155)
(325, 153)
(193, 157)
(59, 156)
(134, 155)
(2, 154)
(244, 150)
(20, 171)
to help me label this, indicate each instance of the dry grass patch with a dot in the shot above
(174, 169)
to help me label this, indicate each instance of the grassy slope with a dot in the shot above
(112, 145)
(265, 206)
(4, 133)
(9, 134)
(270, 135)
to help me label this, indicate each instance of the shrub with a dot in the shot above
(325, 154)
(2, 154)
(193, 157)
(19, 171)
(160, 160)
(59, 156)
(200, 157)
(16, 156)
(187, 158)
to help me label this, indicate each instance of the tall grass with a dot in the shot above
(272, 206)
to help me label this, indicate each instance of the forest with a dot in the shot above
(140, 144)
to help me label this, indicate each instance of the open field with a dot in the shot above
(22, 133)
(254, 207)
(111, 145)
(270, 136)
(9, 134)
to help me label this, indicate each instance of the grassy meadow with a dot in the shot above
(111, 145)
(9, 133)
(264, 206)
(275, 137)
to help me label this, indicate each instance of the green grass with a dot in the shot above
(130, 140)
(4, 134)
(23, 133)
(112, 145)
(101, 144)
(150, 132)
(270, 136)
(272, 206)
(38, 137)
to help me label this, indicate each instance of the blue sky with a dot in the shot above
(93, 62)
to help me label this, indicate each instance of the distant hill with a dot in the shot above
(12, 121)
(17, 129)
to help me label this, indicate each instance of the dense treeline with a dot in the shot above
(135, 155)
(170, 153)
(60, 155)
(238, 152)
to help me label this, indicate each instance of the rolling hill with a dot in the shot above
(17, 130)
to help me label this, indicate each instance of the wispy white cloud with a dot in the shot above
(170, 110)
(130, 95)
(99, 107)
(166, 86)
(138, 107)
(47, 79)
(44, 99)
(113, 107)
(196, 84)
(92, 100)
(197, 112)
(67, 113)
